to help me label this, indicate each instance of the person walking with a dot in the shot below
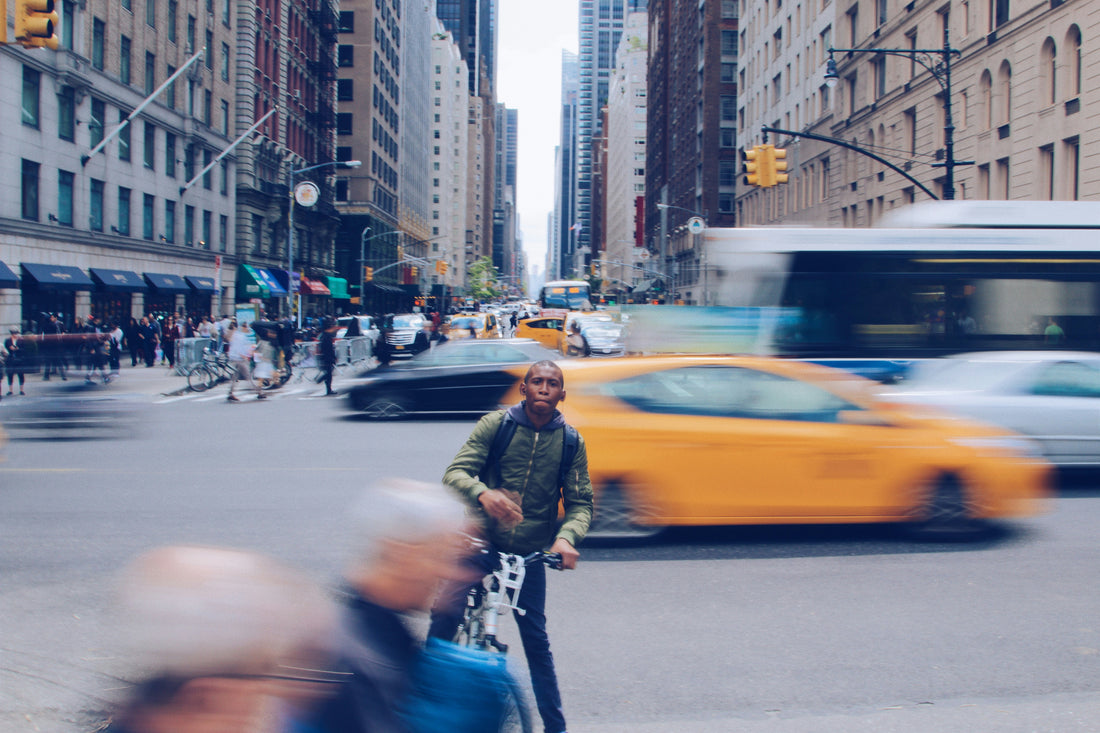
(170, 334)
(517, 498)
(96, 345)
(53, 350)
(240, 353)
(133, 341)
(327, 354)
(148, 335)
(16, 362)
(114, 349)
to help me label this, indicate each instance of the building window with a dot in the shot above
(170, 93)
(206, 219)
(66, 114)
(123, 227)
(347, 21)
(65, 198)
(97, 121)
(170, 155)
(99, 36)
(173, 10)
(150, 151)
(127, 6)
(124, 136)
(68, 20)
(190, 34)
(170, 221)
(189, 225)
(150, 72)
(208, 57)
(225, 118)
(95, 206)
(223, 233)
(341, 189)
(1046, 172)
(225, 13)
(345, 55)
(1072, 148)
(879, 66)
(148, 202)
(207, 181)
(30, 190)
(189, 162)
(124, 60)
(343, 123)
(225, 62)
(223, 178)
(32, 80)
(207, 107)
(151, 13)
(345, 90)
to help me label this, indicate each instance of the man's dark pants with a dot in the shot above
(447, 615)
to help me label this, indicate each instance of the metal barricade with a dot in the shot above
(359, 349)
(189, 352)
(343, 352)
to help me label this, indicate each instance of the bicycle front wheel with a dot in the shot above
(198, 378)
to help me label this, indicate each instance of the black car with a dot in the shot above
(470, 376)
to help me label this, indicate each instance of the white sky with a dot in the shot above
(531, 38)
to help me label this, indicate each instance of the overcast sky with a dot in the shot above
(532, 36)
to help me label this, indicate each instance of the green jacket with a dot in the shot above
(529, 466)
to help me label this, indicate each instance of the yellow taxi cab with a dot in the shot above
(712, 440)
(546, 330)
(474, 325)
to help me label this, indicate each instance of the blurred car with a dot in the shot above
(583, 320)
(604, 338)
(712, 440)
(1051, 396)
(469, 375)
(399, 332)
(484, 325)
(74, 410)
(545, 330)
(355, 326)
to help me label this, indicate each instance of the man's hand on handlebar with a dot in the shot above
(569, 554)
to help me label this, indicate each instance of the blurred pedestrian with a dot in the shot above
(327, 353)
(240, 355)
(133, 341)
(576, 344)
(114, 349)
(97, 358)
(16, 361)
(53, 350)
(407, 539)
(148, 335)
(227, 641)
(170, 335)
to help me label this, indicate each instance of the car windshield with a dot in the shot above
(408, 321)
(471, 352)
(603, 330)
(467, 322)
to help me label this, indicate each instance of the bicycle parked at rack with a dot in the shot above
(486, 603)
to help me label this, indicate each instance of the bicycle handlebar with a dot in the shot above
(551, 559)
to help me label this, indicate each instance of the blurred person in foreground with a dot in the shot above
(327, 352)
(228, 641)
(240, 355)
(408, 537)
(517, 498)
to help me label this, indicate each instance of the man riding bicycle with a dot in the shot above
(516, 494)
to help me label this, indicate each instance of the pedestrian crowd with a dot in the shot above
(227, 641)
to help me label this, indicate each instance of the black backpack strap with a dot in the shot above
(505, 432)
(570, 443)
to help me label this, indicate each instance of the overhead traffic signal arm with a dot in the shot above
(36, 24)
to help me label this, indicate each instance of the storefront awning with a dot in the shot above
(8, 278)
(273, 286)
(338, 286)
(123, 281)
(289, 280)
(166, 283)
(201, 284)
(57, 277)
(250, 284)
(314, 287)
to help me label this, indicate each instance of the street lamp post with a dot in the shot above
(308, 197)
(941, 72)
(696, 225)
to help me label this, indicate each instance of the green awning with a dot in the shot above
(250, 284)
(338, 286)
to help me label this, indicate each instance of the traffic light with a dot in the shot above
(415, 271)
(778, 165)
(36, 23)
(443, 267)
(368, 274)
(752, 166)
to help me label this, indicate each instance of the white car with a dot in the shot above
(1051, 396)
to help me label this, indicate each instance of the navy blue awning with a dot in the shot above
(8, 278)
(201, 284)
(167, 283)
(57, 277)
(274, 286)
(119, 280)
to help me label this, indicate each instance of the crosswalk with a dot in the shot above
(304, 391)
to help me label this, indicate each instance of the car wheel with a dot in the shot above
(616, 516)
(946, 512)
(386, 407)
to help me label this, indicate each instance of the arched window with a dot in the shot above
(1048, 72)
(985, 87)
(1004, 94)
(1073, 62)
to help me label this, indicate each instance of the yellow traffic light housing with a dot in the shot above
(415, 271)
(36, 24)
(368, 274)
(752, 165)
(779, 165)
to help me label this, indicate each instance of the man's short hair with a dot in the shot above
(544, 363)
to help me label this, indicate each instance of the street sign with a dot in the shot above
(644, 254)
(696, 225)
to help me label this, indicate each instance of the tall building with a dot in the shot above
(113, 234)
(624, 189)
(473, 25)
(692, 159)
(562, 233)
(601, 25)
(418, 18)
(504, 190)
(450, 156)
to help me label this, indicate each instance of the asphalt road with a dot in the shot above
(747, 629)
